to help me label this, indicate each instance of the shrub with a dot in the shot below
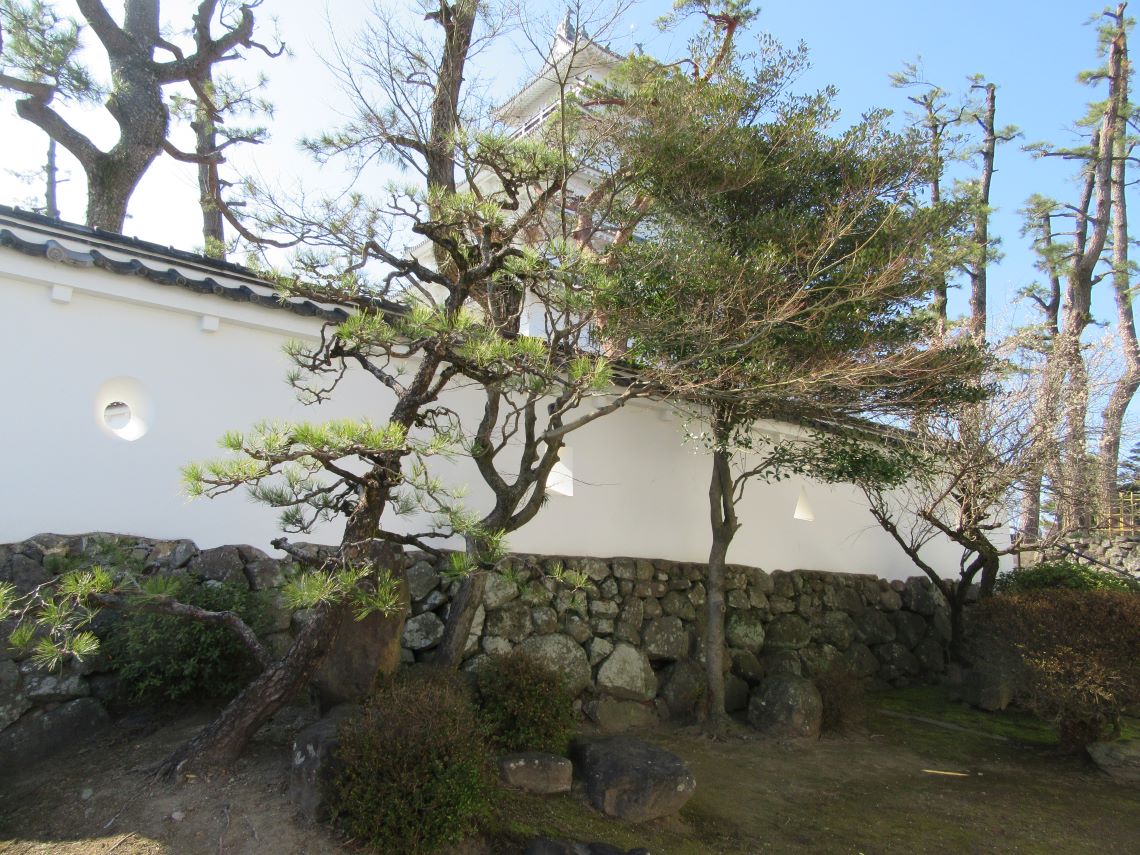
(844, 701)
(1077, 656)
(414, 768)
(1049, 575)
(525, 705)
(164, 658)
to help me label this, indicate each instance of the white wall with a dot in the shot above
(638, 491)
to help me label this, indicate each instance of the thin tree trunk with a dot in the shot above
(1129, 380)
(724, 524)
(981, 236)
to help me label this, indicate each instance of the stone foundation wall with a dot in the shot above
(629, 636)
(1121, 551)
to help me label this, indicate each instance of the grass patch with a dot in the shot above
(1017, 725)
(934, 702)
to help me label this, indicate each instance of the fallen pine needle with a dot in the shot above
(950, 774)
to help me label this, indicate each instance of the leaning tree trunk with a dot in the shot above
(222, 741)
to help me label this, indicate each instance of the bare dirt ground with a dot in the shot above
(884, 791)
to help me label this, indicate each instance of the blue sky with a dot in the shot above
(1032, 50)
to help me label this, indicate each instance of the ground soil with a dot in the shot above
(885, 789)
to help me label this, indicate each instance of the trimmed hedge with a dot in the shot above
(1078, 653)
(525, 705)
(414, 768)
(1051, 575)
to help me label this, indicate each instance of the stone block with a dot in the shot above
(536, 772)
(632, 780)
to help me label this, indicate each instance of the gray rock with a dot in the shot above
(167, 555)
(577, 629)
(423, 631)
(697, 594)
(837, 629)
(614, 716)
(422, 579)
(665, 638)
(860, 661)
(919, 595)
(627, 674)
(819, 659)
(23, 572)
(632, 780)
(633, 612)
(536, 772)
(13, 703)
(41, 688)
(874, 627)
(594, 568)
(535, 593)
(604, 609)
(602, 626)
(746, 666)
(561, 655)
(498, 591)
(781, 605)
(494, 646)
(788, 632)
(679, 605)
(544, 620)
(889, 600)
(683, 689)
(220, 564)
(265, 573)
(361, 648)
(780, 662)
(910, 628)
(598, 649)
(786, 706)
(43, 732)
(511, 622)
(843, 598)
(314, 763)
(745, 630)
(931, 655)
(1119, 759)
(896, 661)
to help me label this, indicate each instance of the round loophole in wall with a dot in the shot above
(123, 409)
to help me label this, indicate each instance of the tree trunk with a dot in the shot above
(1129, 381)
(722, 515)
(222, 741)
(51, 206)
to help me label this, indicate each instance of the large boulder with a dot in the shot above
(786, 705)
(1120, 759)
(511, 622)
(627, 674)
(536, 772)
(220, 564)
(422, 580)
(630, 779)
(42, 732)
(562, 655)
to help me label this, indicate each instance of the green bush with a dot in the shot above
(1076, 652)
(168, 659)
(526, 706)
(414, 768)
(1060, 573)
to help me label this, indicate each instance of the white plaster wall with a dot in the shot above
(638, 490)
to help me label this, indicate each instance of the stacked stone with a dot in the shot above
(1122, 551)
(40, 711)
(633, 632)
